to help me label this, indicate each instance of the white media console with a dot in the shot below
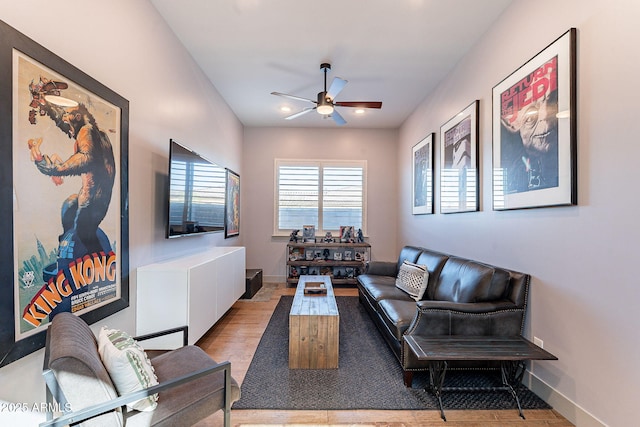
(195, 290)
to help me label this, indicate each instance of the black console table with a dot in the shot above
(511, 352)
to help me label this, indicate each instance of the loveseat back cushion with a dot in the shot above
(434, 261)
(76, 363)
(466, 281)
(410, 254)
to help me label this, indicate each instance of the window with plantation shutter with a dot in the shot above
(325, 194)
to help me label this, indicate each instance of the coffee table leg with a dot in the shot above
(437, 371)
(512, 372)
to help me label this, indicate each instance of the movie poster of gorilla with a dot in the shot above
(67, 212)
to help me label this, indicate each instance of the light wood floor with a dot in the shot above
(236, 336)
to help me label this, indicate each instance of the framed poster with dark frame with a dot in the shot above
(63, 195)
(534, 131)
(459, 162)
(422, 182)
(232, 205)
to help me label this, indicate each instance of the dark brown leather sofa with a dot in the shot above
(463, 297)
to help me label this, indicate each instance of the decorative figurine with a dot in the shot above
(328, 238)
(360, 236)
(293, 237)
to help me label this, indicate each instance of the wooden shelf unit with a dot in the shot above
(313, 258)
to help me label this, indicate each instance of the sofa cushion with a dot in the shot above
(128, 366)
(412, 279)
(408, 253)
(499, 285)
(465, 281)
(434, 261)
(379, 288)
(397, 315)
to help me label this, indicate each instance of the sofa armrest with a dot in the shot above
(382, 268)
(434, 318)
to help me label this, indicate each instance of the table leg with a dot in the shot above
(437, 371)
(512, 372)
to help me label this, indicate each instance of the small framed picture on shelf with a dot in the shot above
(337, 256)
(308, 255)
(347, 255)
(346, 234)
(309, 233)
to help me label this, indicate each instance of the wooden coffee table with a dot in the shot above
(313, 326)
(511, 352)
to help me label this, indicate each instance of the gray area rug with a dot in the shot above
(369, 376)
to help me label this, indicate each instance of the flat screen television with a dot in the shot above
(196, 193)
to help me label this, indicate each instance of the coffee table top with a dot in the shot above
(314, 304)
(459, 347)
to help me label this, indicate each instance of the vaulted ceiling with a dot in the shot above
(394, 51)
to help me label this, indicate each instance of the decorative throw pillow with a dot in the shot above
(413, 279)
(128, 366)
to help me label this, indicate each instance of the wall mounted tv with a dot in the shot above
(196, 193)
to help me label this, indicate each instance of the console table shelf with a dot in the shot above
(343, 262)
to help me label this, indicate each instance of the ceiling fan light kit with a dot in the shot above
(325, 104)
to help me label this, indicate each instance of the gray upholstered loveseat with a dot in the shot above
(191, 384)
(463, 297)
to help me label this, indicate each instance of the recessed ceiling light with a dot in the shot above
(285, 109)
(359, 111)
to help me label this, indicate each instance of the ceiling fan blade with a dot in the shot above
(336, 86)
(300, 113)
(338, 118)
(359, 104)
(294, 97)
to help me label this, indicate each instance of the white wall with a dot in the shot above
(263, 145)
(583, 259)
(126, 46)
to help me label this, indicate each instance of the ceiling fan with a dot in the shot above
(325, 105)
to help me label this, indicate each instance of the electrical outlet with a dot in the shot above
(537, 341)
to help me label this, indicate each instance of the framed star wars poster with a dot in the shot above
(63, 195)
(459, 161)
(422, 184)
(534, 131)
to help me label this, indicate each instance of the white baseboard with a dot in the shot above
(274, 279)
(567, 408)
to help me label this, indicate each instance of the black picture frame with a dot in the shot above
(459, 161)
(535, 131)
(422, 178)
(17, 49)
(232, 205)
